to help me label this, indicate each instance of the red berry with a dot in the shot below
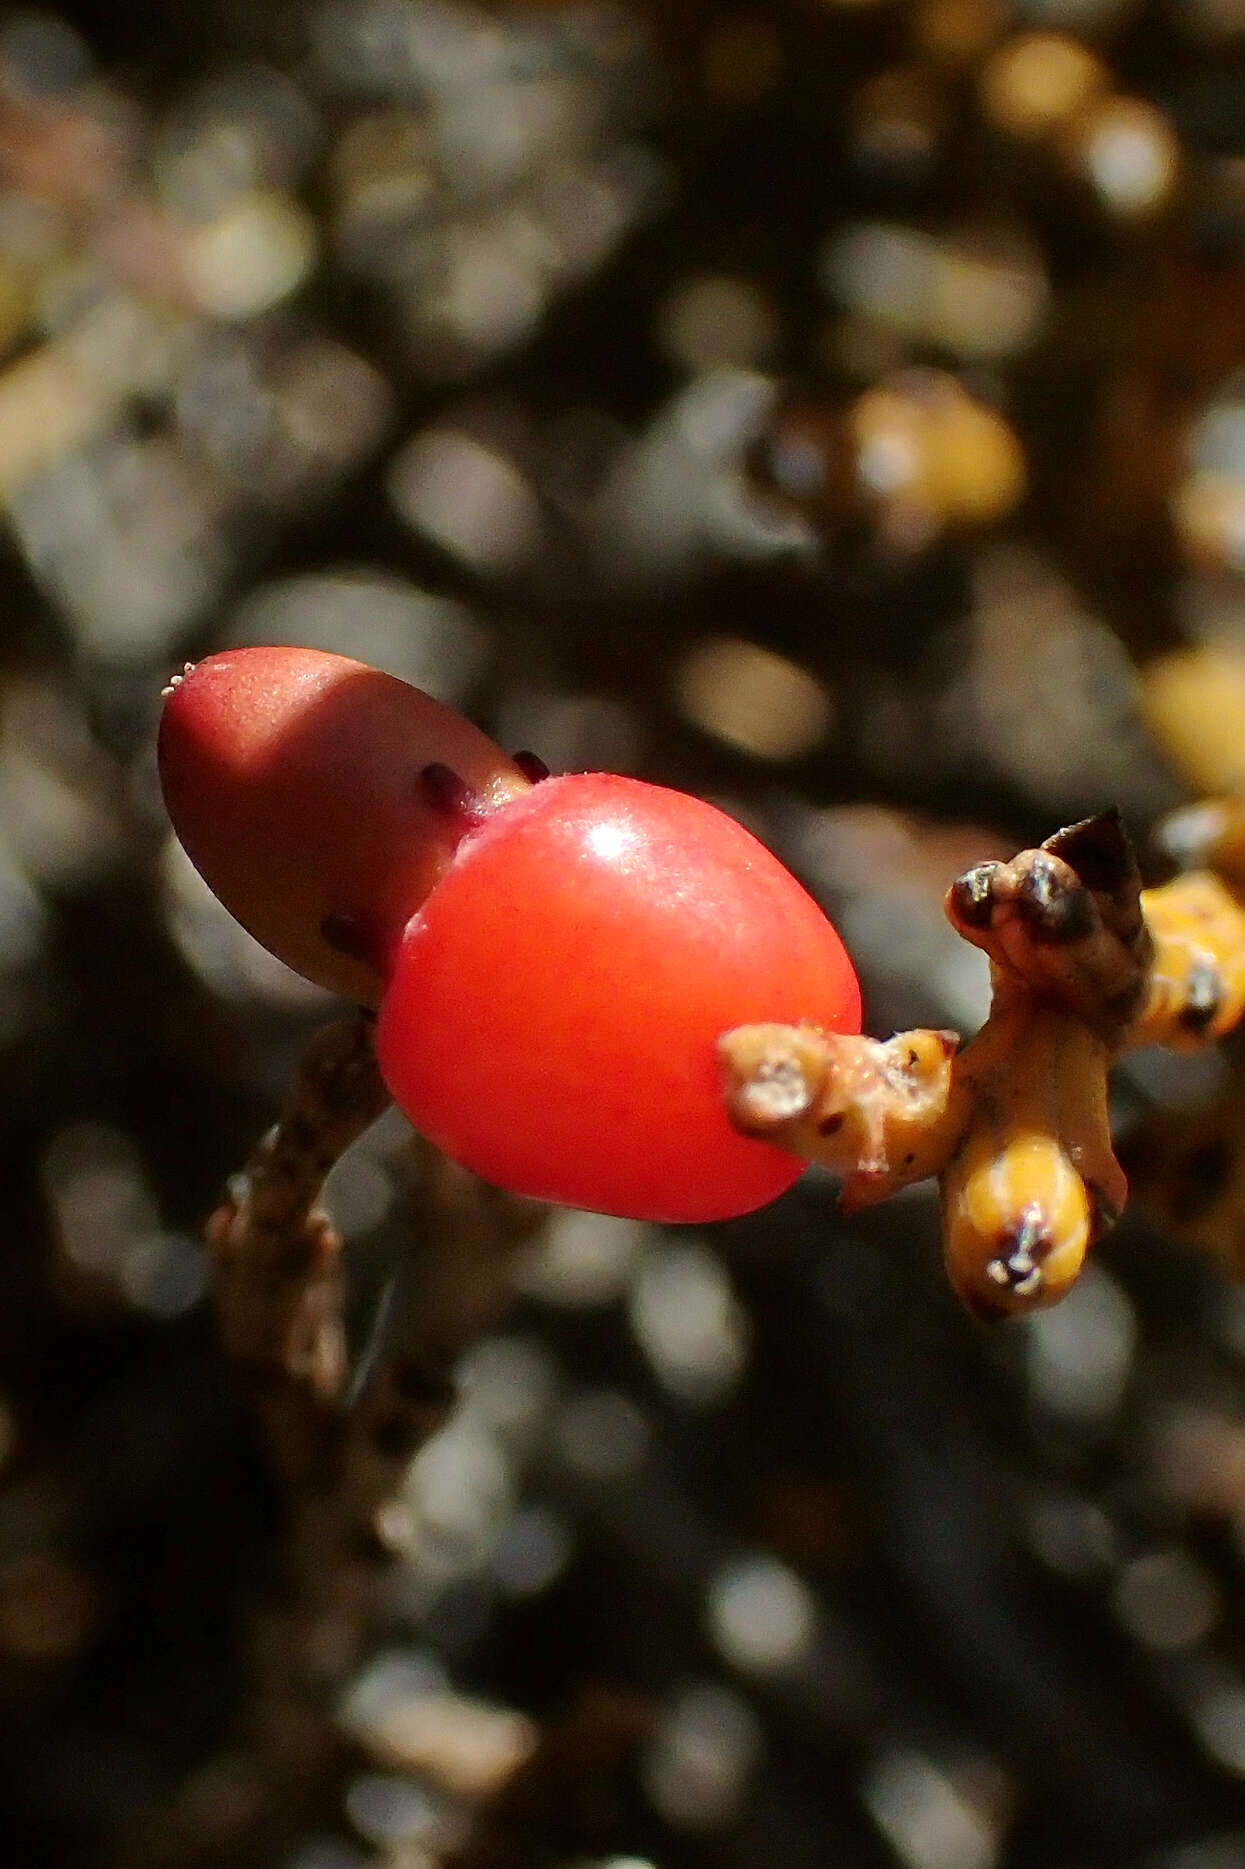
(295, 781)
(554, 1009)
(554, 962)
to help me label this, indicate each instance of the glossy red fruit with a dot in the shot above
(554, 963)
(294, 781)
(554, 1007)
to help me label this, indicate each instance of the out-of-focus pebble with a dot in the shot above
(981, 293)
(467, 498)
(1194, 703)
(257, 253)
(698, 1764)
(929, 455)
(1130, 155)
(412, 1723)
(929, 1820)
(434, 642)
(753, 699)
(762, 1616)
(689, 1323)
(713, 320)
(1035, 83)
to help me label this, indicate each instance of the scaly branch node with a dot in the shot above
(1084, 964)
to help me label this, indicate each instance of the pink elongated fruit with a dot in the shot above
(553, 963)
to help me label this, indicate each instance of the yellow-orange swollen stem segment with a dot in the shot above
(871, 1110)
(1031, 1179)
(1197, 981)
(1083, 966)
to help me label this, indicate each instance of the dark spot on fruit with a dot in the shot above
(449, 793)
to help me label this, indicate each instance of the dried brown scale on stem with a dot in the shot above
(1063, 923)
(1084, 965)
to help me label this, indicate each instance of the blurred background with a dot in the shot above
(835, 407)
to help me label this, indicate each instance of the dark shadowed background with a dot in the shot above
(834, 408)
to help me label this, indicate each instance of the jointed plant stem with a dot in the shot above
(1084, 965)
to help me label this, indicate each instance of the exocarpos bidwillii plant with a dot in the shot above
(601, 992)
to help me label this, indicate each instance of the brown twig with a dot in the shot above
(276, 1256)
(278, 1289)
